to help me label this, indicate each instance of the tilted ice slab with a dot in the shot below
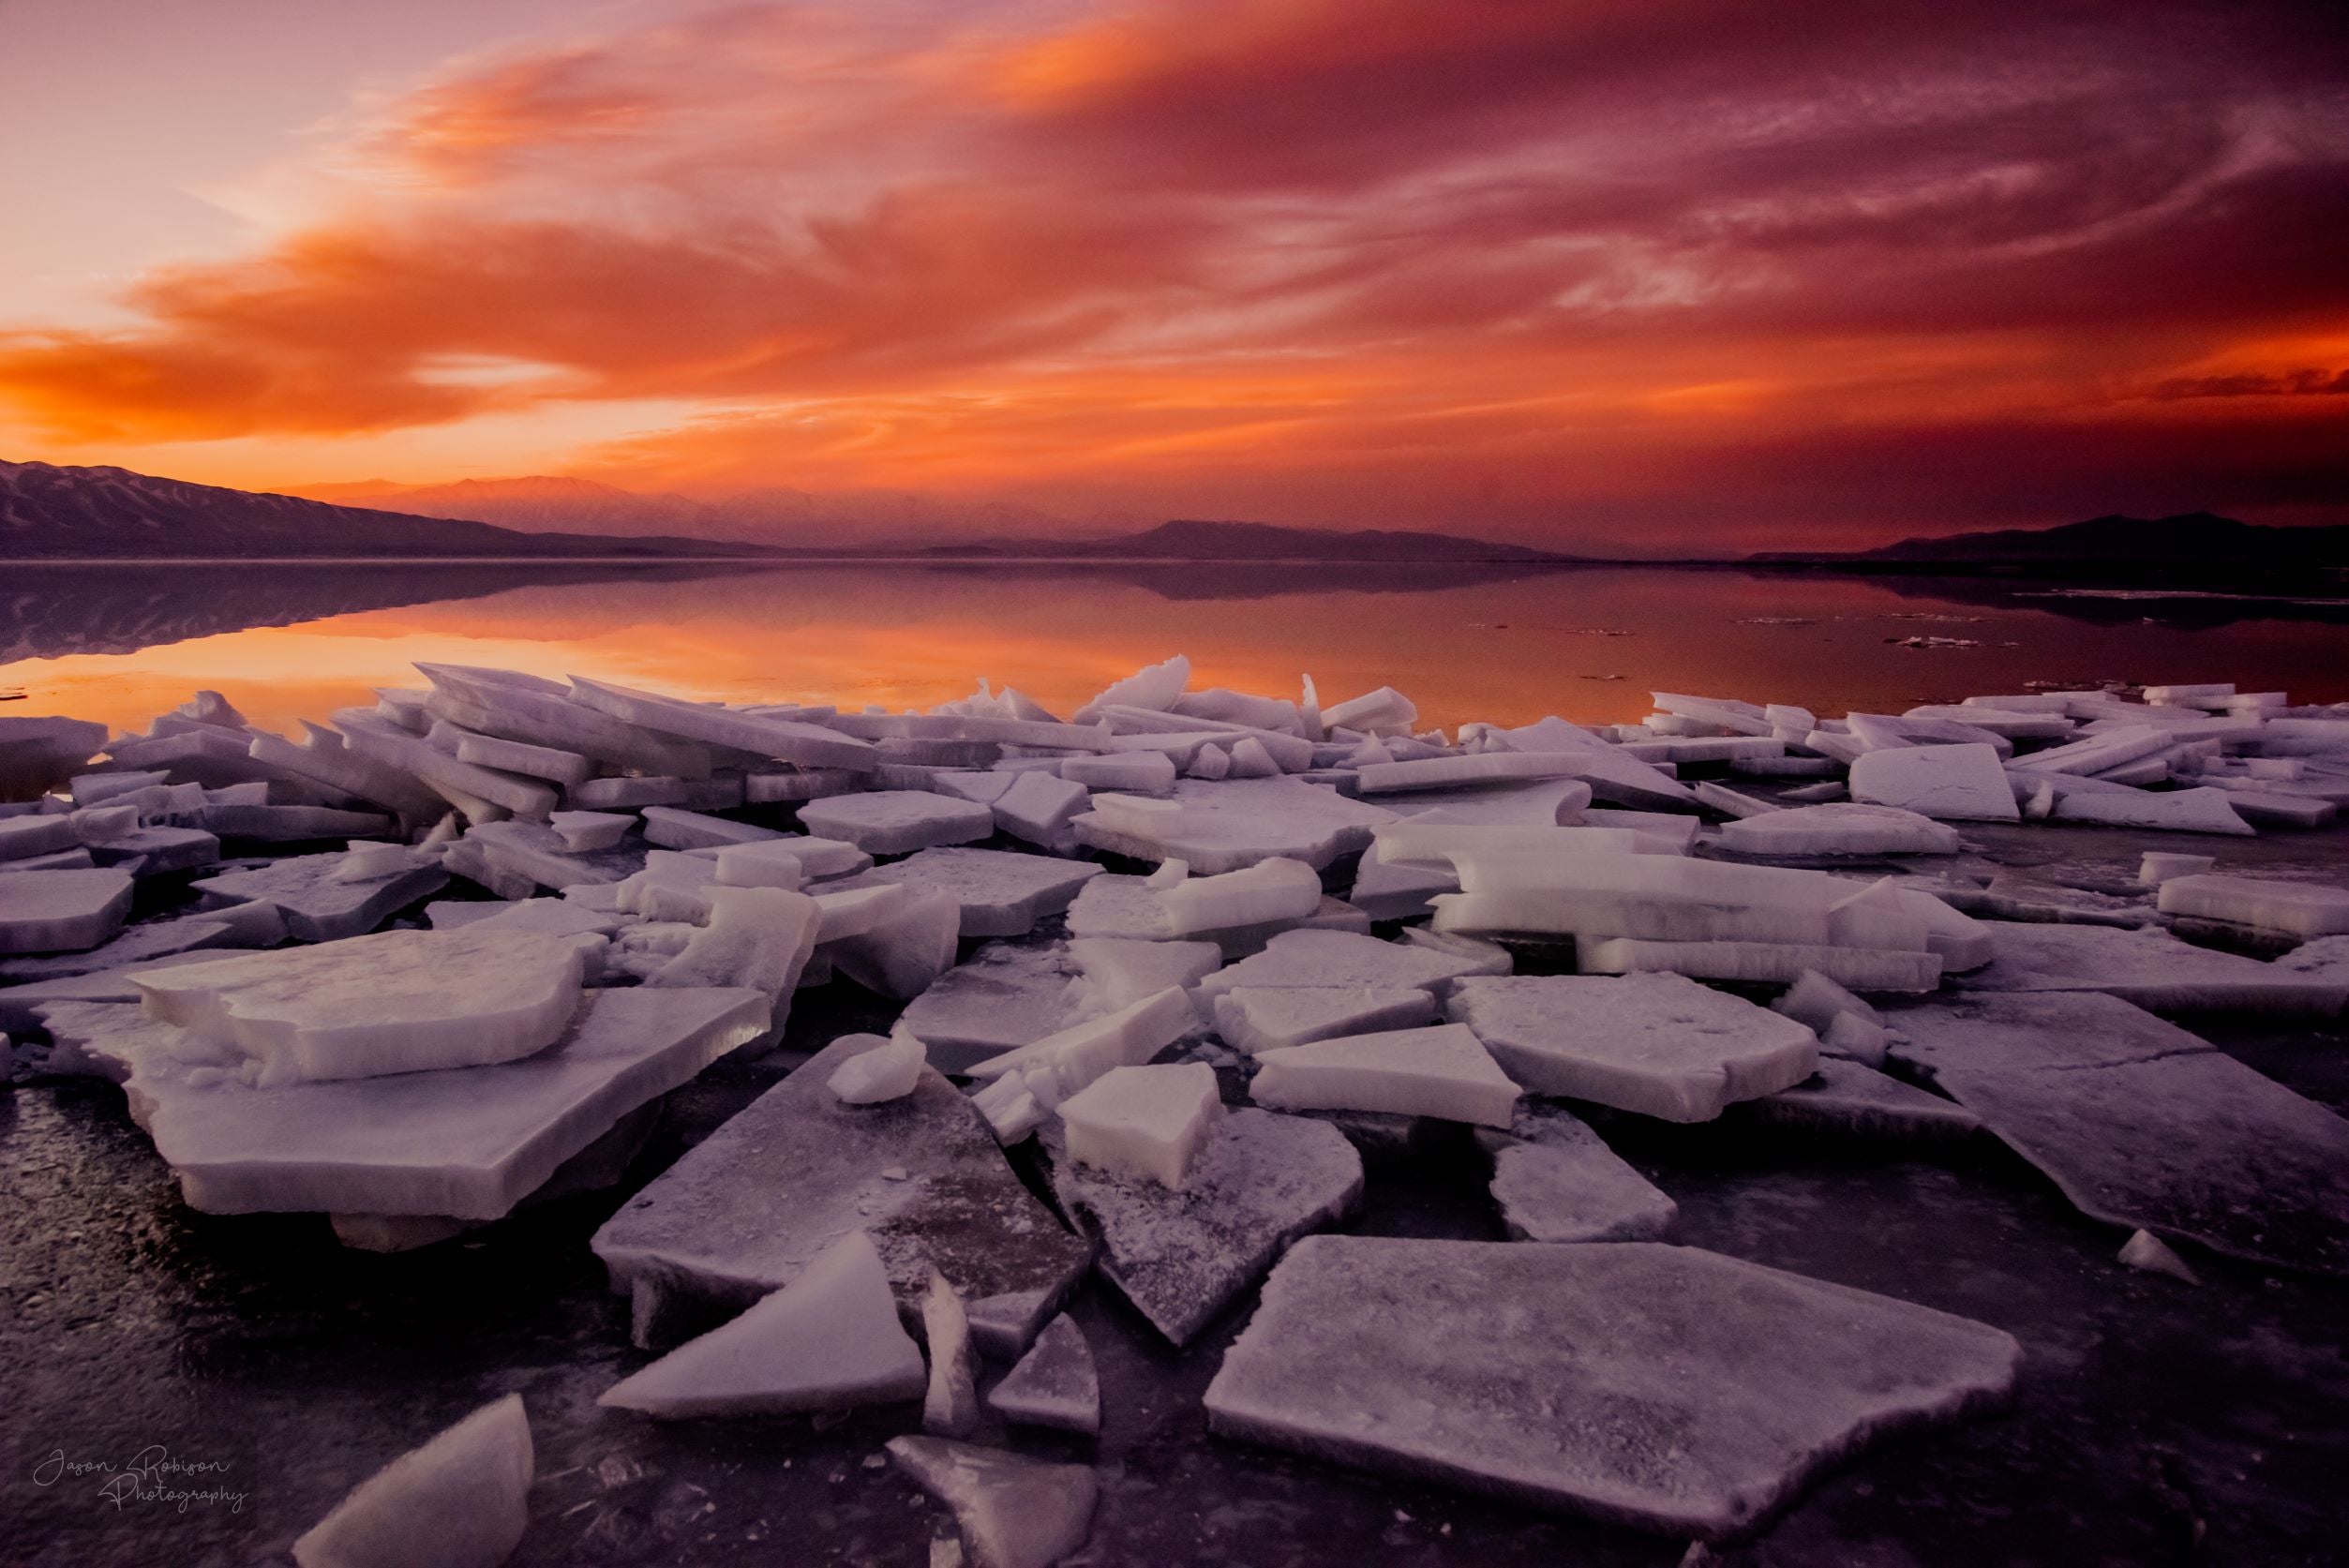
(1224, 826)
(781, 739)
(2181, 811)
(1255, 1018)
(317, 909)
(1765, 962)
(897, 821)
(1529, 803)
(1117, 972)
(1054, 1384)
(1663, 898)
(1660, 1387)
(1467, 772)
(460, 1500)
(711, 1226)
(1010, 1512)
(999, 893)
(1181, 1257)
(1556, 1180)
(61, 911)
(1025, 1083)
(539, 713)
(138, 944)
(1322, 959)
(469, 1142)
(1848, 1100)
(2152, 969)
(1008, 994)
(1839, 829)
(1442, 1071)
(1270, 890)
(2295, 908)
(403, 1001)
(1129, 908)
(1963, 782)
(2144, 1125)
(830, 1340)
(1658, 1044)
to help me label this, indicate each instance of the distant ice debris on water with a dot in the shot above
(1147, 989)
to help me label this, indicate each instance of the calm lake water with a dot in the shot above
(121, 642)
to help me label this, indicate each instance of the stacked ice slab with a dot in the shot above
(1713, 920)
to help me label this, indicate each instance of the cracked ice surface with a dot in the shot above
(1662, 1387)
(1181, 1257)
(708, 1226)
(2144, 1125)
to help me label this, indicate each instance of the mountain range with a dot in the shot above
(51, 513)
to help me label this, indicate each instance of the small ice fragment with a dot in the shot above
(461, 1501)
(582, 832)
(951, 1406)
(1272, 890)
(1442, 1071)
(887, 1069)
(1054, 1384)
(2145, 1251)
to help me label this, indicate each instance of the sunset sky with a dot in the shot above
(1650, 275)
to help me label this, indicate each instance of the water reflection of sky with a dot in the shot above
(1510, 649)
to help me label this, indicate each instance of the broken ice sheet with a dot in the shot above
(2152, 969)
(460, 1500)
(1442, 1071)
(317, 907)
(2142, 1123)
(1227, 825)
(997, 892)
(1053, 1384)
(897, 821)
(402, 1001)
(709, 1230)
(1181, 1257)
(1839, 829)
(1661, 1387)
(1556, 1180)
(1848, 1100)
(1007, 996)
(61, 911)
(469, 1142)
(1657, 1044)
(831, 1339)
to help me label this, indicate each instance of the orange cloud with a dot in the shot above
(1314, 257)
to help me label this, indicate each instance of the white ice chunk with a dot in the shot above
(902, 954)
(1144, 1121)
(2295, 908)
(829, 1340)
(1155, 686)
(1442, 1071)
(897, 821)
(1139, 773)
(1658, 897)
(1385, 710)
(2146, 1251)
(885, 1069)
(673, 829)
(2156, 867)
(1010, 1512)
(950, 1405)
(590, 830)
(1256, 1019)
(61, 911)
(1037, 809)
(1272, 889)
(1346, 958)
(1658, 1044)
(782, 739)
(996, 892)
(1117, 972)
(461, 1501)
(403, 1001)
(1961, 782)
(1060, 1065)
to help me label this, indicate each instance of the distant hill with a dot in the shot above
(49, 512)
(775, 515)
(1192, 540)
(2110, 543)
